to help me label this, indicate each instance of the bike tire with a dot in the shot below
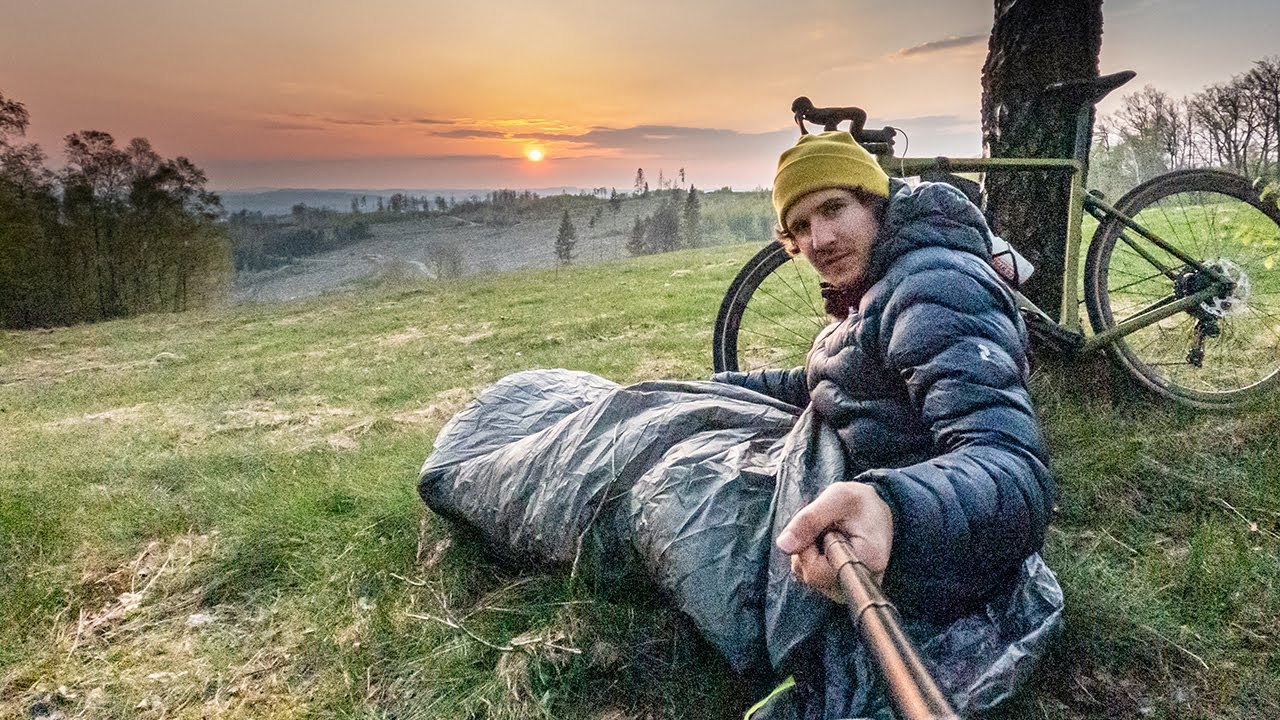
(1216, 218)
(770, 315)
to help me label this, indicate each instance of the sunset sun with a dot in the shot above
(534, 154)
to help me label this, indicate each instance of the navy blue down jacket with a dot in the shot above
(925, 383)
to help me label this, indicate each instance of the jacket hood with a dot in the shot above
(929, 215)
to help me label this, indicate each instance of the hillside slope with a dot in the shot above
(213, 515)
(405, 245)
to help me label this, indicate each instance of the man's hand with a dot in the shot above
(856, 510)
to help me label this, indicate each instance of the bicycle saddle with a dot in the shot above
(1089, 91)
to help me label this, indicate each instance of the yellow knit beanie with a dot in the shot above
(825, 160)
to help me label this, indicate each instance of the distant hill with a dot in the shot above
(278, 201)
(485, 241)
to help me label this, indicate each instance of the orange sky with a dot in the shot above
(393, 93)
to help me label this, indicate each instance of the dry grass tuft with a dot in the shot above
(661, 368)
(485, 331)
(404, 337)
(442, 407)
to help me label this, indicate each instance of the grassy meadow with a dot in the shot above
(214, 515)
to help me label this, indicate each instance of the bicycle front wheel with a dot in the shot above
(1222, 353)
(770, 315)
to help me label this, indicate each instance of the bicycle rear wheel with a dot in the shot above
(1223, 353)
(770, 314)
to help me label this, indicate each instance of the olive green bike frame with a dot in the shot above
(1079, 202)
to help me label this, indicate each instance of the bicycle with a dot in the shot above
(1181, 277)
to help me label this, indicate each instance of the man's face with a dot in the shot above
(835, 232)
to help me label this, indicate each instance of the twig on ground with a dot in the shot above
(1080, 685)
(261, 670)
(1253, 526)
(1117, 541)
(545, 642)
(453, 624)
(1170, 472)
(347, 549)
(75, 642)
(1166, 638)
(1251, 633)
(159, 571)
(525, 609)
(403, 579)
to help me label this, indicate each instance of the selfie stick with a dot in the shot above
(911, 690)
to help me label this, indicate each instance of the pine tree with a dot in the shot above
(615, 202)
(692, 220)
(641, 185)
(663, 231)
(566, 239)
(635, 243)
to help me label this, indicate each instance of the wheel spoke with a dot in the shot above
(797, 295)
(773, 321)
(1153, 306)
(1137, 282)
(793, 312)
(1209, 216)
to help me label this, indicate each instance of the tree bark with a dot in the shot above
(1035, 43)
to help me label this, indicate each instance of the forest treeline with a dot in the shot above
(1233, 125)
(119, 231)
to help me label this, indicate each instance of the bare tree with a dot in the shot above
(1153, 129)
(1264, 84)
(1229, 124)
(1234, 124)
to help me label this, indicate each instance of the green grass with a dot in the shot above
(214, 515)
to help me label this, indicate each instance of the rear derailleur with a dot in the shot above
(1207, 314)
(1205, 328)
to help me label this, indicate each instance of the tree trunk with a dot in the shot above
(1035, 43)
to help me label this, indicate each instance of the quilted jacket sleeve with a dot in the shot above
(966, 518)
(785, 385)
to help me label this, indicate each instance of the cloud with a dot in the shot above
(270, 124)
(666, 140)
(947, 43)
(470, 133)
(398, 171)
(308, 121)
(668, 143)
(593, 156)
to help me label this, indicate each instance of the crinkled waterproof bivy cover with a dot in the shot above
(685, 485)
